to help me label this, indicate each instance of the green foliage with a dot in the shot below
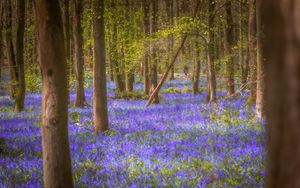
(171, 90)
(134, 95)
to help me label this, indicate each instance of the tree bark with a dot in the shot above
(196, 68)
(56, 151)
(261, 93)
(281, 50)
(20, 97)
(211, 93)
(229, 44)
(146, 9)
(170, 15)
(120, 85)
(10, 48)
(252, 48)
(100, 95)
(80, 100)
(154, 51)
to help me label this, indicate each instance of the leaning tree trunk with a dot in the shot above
(252, 48)
(55, 141)
(10, 48)
(229, 44)
(281, 50)
(19, 102)
(80, 100)
(100, 96)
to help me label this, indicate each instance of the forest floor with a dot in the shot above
(182, 142)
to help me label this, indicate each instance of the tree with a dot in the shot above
(260, 90)
(252, 48)
(146, 9)
(80, 100)
(154, 50)
(56, 151)
(229, 43)
(211, 78)
(281, 50)
(19, 102)
(99, 91)
(10, 48)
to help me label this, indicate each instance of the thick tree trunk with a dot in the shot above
(261, 94)
(154, 51)
(100, 96)
(281, 50)
(19, 102)
(56, 151)
(10, 49)
(80, 100)
(146, 9)
(229, 44)
(252, 48)
(211, 93)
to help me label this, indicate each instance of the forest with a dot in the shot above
(149, 93)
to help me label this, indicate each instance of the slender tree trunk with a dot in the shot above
(129, 72)
(154, 50)
(211, 93)
(196, 68)
(65, 4)
(19, 102)
(170, 15)
(243, 61)
(10, 49)
(229, 43)
(146, 9)
(100, 96)
(80, 100)
(120, 85)
(281, 21)
(55, 141)
(261, 94)
(252, 48)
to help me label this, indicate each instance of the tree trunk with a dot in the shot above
(281, 50)
(260, 96)
(146, 9)
(80, 100)
(120, 85)
(211, 93)
(252, 48)
(10, 49)
(170, 14)
(243, 61)
(154, 51)
(229, 44)
(19, 102)
(100, 96)
(196, 68)
(129, 72)
(65, 4)
(56, 151)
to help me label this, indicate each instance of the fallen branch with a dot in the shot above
(163, 79)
